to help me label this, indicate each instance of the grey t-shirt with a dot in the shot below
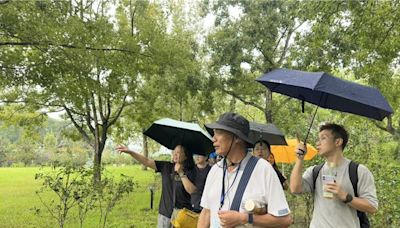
(333, 212)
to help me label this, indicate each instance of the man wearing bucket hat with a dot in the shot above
(239, 178)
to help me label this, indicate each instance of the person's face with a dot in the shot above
(199, 159)
(261, 150)
(327, 143)
(271, 159)
(222, 141)
(178, 154)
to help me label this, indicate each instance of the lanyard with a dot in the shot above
(223, 193)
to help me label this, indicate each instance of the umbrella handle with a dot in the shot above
(298, 141)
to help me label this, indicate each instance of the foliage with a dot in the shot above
(77, 58)
(359, 38)
(73, 187)
(111, 193)
(70, 187)
(387, 180)
(250, 38)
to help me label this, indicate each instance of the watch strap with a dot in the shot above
(348, 199)
(250, 219)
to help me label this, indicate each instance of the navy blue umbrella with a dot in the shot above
(327, 91)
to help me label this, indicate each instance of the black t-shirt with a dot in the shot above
(282, 179)
(201, 176)
(168, 176)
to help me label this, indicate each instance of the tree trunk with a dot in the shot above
(100, 143)
(97, 166)
(268, 105)
(145, 150)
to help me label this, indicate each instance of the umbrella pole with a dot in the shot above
(309, 128)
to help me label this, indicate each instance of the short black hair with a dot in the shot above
(262, 141)
(338, 131)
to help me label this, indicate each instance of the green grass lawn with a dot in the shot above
(17, 197)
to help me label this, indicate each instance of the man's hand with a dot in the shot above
(232, 218)
(301, 151)
(336, 190)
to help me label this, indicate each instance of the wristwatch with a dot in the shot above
(348, 199)
(250, 219)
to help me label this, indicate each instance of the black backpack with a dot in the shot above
(353, 166)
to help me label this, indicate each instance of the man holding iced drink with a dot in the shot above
(335, 203)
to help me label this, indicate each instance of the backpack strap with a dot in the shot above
(315, 173)
(353, 173)
(248, 170)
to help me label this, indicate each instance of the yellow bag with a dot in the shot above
(185, 219)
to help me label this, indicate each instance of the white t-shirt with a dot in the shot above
(264, 186)
(333, 212)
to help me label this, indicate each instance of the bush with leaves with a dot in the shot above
(73, 186)
(110, 193)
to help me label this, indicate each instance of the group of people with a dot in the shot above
(219, 192)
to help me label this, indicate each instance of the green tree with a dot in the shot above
(73, 56)
(249, 38)
(177, 88)
(361, 39)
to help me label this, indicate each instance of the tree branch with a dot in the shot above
(279, 40)
(389, 127)
(96, 124)
(2, 2)
(236, 96)
(285, 48)
(80, 129)
(89, 117)
(108, 106)
(123, 105)
(266, 57)
(100, 100)
(10, 43)
(102, 116)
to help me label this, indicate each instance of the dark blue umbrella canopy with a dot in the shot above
(169, 133)
(327, 91)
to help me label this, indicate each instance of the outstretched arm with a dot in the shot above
(296, 178)
(140, 158)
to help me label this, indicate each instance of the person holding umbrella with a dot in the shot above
(177, 181)
(238, 178)
(262, 149)
(337, 201)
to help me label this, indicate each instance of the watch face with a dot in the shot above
(349, 198)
